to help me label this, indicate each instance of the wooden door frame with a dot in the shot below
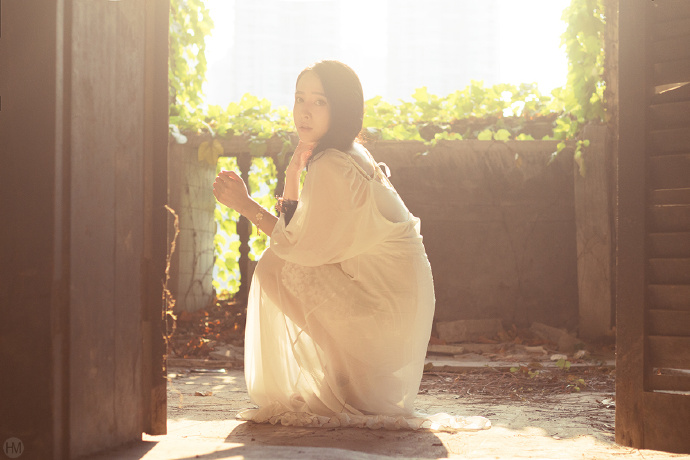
(630, 224)
(154, 372)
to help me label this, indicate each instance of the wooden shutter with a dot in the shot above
(653, 253)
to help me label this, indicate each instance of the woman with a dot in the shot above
(341, 303)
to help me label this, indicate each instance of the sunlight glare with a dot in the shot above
(525, 47)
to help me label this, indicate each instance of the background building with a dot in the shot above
(445, 44)
(259, 46)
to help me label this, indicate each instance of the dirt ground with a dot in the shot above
(542, 405)
(533, 415)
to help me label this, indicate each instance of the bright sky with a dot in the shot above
(529, 44)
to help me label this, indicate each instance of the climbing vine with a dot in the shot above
(190, 24)
(499, 112)
(582, 98)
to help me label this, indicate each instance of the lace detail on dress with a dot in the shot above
(275, 415)
(317, 286)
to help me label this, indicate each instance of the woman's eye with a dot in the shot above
(298, 99)
(320, 102)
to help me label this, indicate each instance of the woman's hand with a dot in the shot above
(300, 157)
(294, 170)
(230, 190)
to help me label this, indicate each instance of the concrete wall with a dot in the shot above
(594, 203)
(190, 195)
(498, 221)
(498, 225)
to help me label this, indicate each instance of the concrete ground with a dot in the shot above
(202, 425)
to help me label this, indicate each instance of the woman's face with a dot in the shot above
(311, 113)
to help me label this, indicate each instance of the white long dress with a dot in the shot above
(340, 308)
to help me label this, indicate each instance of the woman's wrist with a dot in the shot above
(254, 212)
(293, 170)
(249, 208)
(262, 218)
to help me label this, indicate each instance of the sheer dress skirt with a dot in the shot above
(340, 312)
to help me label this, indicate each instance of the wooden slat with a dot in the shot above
(669, 10)
(677, 196)
(669, 297)
(676, 28)
(669, 352)
(669, 218)
(672, 72)
(664, 94)
(669, 171)
(129, 212)
(666, 419)
(92, 409)
(154, 375)
(668, 382)
(668, 323)
(669, 116)
(669, 271)
(671, 49)
(667, 141)
(667, 94)
(669, 245)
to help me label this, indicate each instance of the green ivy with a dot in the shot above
(226, 268)
(499, 112)
(262, 182)
(190, 24)
(465, 114)
(582, 99)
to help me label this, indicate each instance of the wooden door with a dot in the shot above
(117, 221)
(653, 226)
(83, 156)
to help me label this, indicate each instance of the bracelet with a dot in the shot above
(286, 207)
(258, 217)
(257, 220)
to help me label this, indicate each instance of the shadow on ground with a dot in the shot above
(378, 442)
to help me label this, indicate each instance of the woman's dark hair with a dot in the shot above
(346, 101)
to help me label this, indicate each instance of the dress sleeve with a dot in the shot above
(335, 218)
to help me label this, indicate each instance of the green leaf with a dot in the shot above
(525, 137)
(502, 135)
(219, 239)
(485, 135)
(210, 151)
(563, 364)
(579, 161)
